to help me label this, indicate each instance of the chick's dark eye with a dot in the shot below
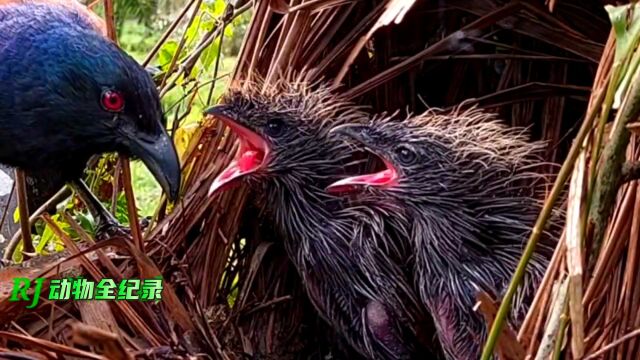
(112, 100)
(405, 155)
(274, 127)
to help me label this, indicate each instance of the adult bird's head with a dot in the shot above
(441, 160)
(79, 94)
(283, 133)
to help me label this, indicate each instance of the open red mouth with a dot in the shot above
(385, 176)
(251, 155)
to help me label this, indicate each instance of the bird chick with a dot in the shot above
(469, 197)
(69, 93)
(286, 154)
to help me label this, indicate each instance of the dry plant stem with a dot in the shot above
(106, 262)
(183, 40)
(253, 35)
(111, 343)
(608, 179)
(481, 23)
(167, 33)
(28, 250)
(564, 320)
(631, 290)
(110, 20)
(58, 349)
(563, 175)
(94, 313)
(131, 204)
(71, 245)
(630, 171)
(116, 185)
(342, 47)
(611, 346)
(605, 265)
(575, 216)
(217, 65)
(55, 199)
(551, 331)
(544, 302)
(599, 136)
(6, 208)
(187, 65)
(605, 64)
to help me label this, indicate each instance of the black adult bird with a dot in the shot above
(469, 196)
(69, 93)
(286, 154)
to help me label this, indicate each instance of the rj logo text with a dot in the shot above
(30, 290)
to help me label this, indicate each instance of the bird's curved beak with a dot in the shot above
(360, 134)
(251, 155)
(161, 159)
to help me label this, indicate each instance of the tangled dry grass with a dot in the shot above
(552, 67)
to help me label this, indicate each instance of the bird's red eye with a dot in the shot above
(112, 101)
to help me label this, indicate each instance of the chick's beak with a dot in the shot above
(251, 155)
(361, 134)
(161, 159)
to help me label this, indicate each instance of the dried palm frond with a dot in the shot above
(541, 66)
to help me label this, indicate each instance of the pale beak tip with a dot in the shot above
(213, 188)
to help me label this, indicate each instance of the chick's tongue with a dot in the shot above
(248, 161)
(352, 183)
(379, 178)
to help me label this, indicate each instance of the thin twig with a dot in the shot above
(181, 44)
(167, 33)
(6, 208)
(612, 345)
(131, 204)
(28, 250)
(62, 194)
(551, 332)
(109, 18)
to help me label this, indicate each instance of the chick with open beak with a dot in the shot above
(468, 186)
(287, 156)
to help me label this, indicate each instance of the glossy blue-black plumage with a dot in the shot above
(54, 66)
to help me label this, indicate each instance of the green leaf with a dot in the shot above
(626, 24)
(166, 53)
(210, 54)
(16, 215)
(85, 222)
(195, 73)
(122, 212)
(17, 254)
(183, 137)
(215, 7)
(47, 236)
(228, 32)
(192, 31)
(625, 20)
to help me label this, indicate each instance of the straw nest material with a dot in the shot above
(231, 292)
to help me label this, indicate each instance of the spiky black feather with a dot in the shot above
(467, 198)
(353, 273)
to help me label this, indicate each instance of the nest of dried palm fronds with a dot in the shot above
(232, 290)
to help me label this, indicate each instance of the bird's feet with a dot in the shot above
(108, 229)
